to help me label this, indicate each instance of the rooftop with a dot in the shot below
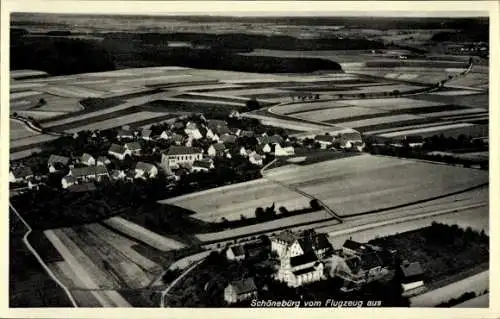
(238, 250)
(244, 286)
(182, 150)
(306, 258)
(58, 159)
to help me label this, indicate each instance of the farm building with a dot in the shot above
(57, 162)
(87, 159)
(118, 151)
(228, 139)
(68, 181)
(146, 134)
(202, 166)
(133, 147)
(255, 158)
(277, 150)
(193, 132)
(214, 125)
(325, 140)
(20, 173)
(82, 188)
(179, 155)
(216, 150)
(88, 173)
(412, 275)
(348, 140)
(274, 139)
(125, 134)
(235, 253)
(103, 161)
(117, 175)
(145, 170)
(240, 290)
(165, 135)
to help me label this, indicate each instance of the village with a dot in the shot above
(178, 147)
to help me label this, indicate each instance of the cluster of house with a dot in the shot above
(309, 257)
(348, 140)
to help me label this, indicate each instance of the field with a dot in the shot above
(365, 183)
(18, 130)
(233, 201)
(336, 113)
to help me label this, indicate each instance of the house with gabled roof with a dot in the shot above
(133, 147)
(165, 135)
(125, 133)
(216, 150)
(255, 158)
(228, 139)
(240, 290)
(236, 252)
(202, 166)
(88, 172)
(325, 140)
(57, 162)
(82, 188)
(68, 181)
(87, 159)
(146, 134)
(178, 139)
(102, 161)
(117, 175)
(118, 151)
(300, 269)
(145, 170)
(278, 150)
(350, 140)
(412, 275)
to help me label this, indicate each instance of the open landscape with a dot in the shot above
(146, 151)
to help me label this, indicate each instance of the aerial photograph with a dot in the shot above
(231, 161)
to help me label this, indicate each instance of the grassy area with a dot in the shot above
(29, 284)
(444, 251)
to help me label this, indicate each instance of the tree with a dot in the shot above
(253, 104)
(42, 102)
(259, 212)
(314, 203)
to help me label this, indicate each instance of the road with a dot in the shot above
(40, 260)
(173, 283)
(477, 283)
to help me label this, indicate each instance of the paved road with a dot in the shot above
(477, 283)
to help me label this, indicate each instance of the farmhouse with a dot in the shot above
(125, 134)
(103, 161)
(235, 253)
(133, 147)
(146, 134)
(165, 135)
(20, 173)
(216, 150)
(228, 139)
(349, 140)
(145, 170)
(179, 156)
(192, 131)
(412, 275)
(275, 139)
(202, 166)
(277, 150)
(325, 140)
(240, 290)
(117, 175)
(88, 173)
(56, 162)
(118, 151)
(68, 181)
(255, 159)
(87, 159)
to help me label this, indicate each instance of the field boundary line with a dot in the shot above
(40, 260)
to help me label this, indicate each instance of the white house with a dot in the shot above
(243, 152)
(145, 170)
(235, 253)
(118, 175)
(118, 151)
(68, 181)
(88, 173)
(283, 151)
(133, 147)
(125, 134)
(216, 150)
(87, 159)
(325, 140)
(348, 140)
(146, 134)
(180, 155)
(255, 158)
(193, 133)
(165, 135)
